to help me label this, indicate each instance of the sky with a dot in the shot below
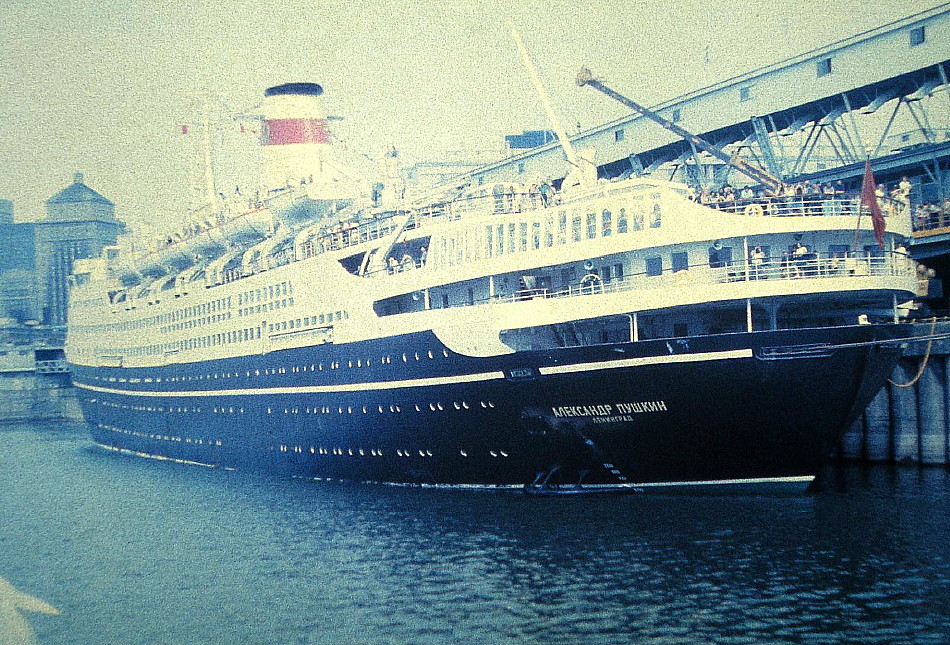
(103, 87)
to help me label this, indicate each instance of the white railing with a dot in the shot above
(815, 267)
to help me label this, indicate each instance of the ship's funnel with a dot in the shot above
(295, 138)
(297, 149)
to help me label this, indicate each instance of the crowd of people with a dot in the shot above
(931, 215)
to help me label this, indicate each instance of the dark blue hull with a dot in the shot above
(732, 407)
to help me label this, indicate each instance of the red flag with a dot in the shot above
(869, 201)
(184, 129)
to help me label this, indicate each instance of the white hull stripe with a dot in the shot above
(647, 360)
(799, 479)
(310, 389)
(431, 381)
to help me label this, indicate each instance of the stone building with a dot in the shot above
(79, 223)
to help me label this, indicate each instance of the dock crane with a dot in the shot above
(585, 77)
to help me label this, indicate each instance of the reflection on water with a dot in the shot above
(136, 551)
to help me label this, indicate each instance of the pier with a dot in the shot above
(908, 420)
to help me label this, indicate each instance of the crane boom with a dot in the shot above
(584, 77)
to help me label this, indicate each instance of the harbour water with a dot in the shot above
(139, 551)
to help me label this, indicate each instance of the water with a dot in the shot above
(138, 551)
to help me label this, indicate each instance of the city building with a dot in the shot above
(79, 223)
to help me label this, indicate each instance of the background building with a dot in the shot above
(17, 267)
(79, 223)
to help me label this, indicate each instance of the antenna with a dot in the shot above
(545, 99)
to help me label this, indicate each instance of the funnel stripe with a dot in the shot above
(286, 131)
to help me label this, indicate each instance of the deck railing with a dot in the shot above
(814, 267)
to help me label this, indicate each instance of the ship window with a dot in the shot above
(605, 273)
(536, 235)
(523, 237)
(488, 241)
(591, 226)
(677, 115)
(606, 223)
(618, 135)
(918, 35)
(656, 220)
(576, 228)
(562, 227)
(824, 67)
(745, 93)
(680, 261)
(511, 238)
(622, 221)
(500, 242)
(618, 270)
(445, 303)
(654, 266)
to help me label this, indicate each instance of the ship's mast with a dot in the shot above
(545, 99)
(211, 194)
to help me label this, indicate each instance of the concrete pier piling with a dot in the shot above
(909, 419)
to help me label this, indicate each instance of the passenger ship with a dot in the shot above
(614, 336)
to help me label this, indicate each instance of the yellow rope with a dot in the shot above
(923, 363)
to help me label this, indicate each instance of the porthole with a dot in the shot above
(430, 354)
(456, 405)
(463, 453)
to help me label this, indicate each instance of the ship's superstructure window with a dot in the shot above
(918, 35)
(680, 261)
(745, 93)
(824, 67)
(618, 135)
(654, 266)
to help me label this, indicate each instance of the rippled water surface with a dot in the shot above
(139, 551)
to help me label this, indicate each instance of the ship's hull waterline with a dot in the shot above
(712, 409)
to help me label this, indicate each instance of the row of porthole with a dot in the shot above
(394, 409)
(372, 452)
(385, 360)
(433, 407)
(160, 437)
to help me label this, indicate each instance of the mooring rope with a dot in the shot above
(923, 363)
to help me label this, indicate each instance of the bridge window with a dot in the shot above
(917, 36)
(745, 93)
(618, 135)
(824, 67)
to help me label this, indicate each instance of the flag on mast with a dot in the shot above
(869, 201)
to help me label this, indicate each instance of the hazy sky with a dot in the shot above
(101, 87)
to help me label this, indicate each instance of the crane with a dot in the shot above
(585, 77)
